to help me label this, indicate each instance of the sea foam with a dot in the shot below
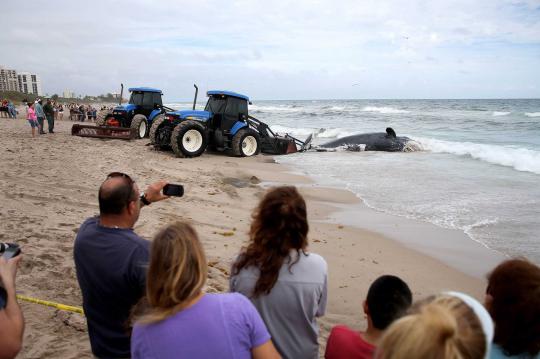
(500, 113)
(521, 159)
(532, 114)
(383, 109)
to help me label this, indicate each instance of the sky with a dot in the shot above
(301, 49)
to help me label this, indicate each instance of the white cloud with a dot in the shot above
(281, 49)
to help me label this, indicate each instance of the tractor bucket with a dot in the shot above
(118, 133)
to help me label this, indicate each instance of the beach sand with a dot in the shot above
(49, 187)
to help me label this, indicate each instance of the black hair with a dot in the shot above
(114, 199)
(388, 298)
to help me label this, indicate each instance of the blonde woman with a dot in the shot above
(450, 326)
(184, 322)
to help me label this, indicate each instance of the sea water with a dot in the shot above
(478, 172)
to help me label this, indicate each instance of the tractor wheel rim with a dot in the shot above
(249, 145)
(142, 129)
(192, 140)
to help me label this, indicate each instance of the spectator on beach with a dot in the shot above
(60, 112)
(4, 108)
(449, 326)
(182, 321)
(55, 109)
(82, 113)
(40, 115)
(12, 110)
(286, 283)
(388, 298)
(110, 260)
(513, 300)
(11, 317)
(49, 113)
(32, 118)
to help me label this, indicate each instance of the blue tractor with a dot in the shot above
(144, 107)
(224, 125)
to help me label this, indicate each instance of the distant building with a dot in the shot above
(68, 94)
(8, 80)
(29, 83)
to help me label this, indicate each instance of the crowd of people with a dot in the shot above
(51, 111)
(81, 112)
(147, 300)
(37, 113)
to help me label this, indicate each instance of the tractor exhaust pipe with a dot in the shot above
(195, 99)
(121, 93)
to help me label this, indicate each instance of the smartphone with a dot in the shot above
(9, 250)
(176, 190)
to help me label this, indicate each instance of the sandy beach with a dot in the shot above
(49, 187)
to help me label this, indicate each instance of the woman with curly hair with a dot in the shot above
(285, 282)
(513, 300)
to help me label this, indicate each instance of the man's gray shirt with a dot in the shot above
(291, 308)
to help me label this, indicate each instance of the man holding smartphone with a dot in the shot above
(111, 260)
(11, 317)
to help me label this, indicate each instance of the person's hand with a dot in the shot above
(153, 192)
(8, 270)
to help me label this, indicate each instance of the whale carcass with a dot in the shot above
(377, 141)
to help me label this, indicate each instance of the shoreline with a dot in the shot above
(453, 247)
(49, 187)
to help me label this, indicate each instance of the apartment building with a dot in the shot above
(29, 83)
(8, 80)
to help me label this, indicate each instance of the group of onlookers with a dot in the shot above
(7, 109)
(80, 112)
(147, 299)
(36, 113)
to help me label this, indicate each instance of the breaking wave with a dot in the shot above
(383, 109)
(532, 114)
(521, 159)
(500, 113)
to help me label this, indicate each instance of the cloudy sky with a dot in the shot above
(301, 49)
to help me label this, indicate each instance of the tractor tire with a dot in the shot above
(189, 139)
(161, 133)
(158, 121)
(140, 124)
(102, 117)
(246, 143)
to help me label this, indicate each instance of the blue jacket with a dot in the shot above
(39, 110)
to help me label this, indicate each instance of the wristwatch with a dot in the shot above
(143, 199)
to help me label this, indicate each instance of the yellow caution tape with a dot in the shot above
(69, 308)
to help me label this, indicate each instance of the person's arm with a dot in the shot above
(265, 351)
(323, 298)
(153, 193)
(11, 317)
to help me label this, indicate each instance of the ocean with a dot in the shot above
(478, 172)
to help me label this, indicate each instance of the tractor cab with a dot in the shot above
(229, 110)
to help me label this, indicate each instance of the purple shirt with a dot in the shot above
(217, 326)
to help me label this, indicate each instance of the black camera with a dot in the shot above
(7, 250)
